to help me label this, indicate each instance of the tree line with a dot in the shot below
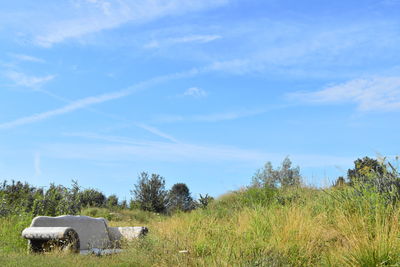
(368, 176)
(149, 194)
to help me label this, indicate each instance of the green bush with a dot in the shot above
(150, 193)
(21, 198)
(179, 198)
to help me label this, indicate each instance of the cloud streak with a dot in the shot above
(372, 94)
(99, 15)
(98, 99)
(182, 40)
(79, 104)
(296, 49)
(27, 58)
(195, 92)
(217, 117)
(21, 79)
(120, 149)
(157, 132)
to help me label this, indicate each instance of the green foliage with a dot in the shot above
(370, 175)
(179, 198)
(112, 202)
(106, 213)
(246, 198)
(256, 226)
(364, 170)
(284, 176)
(257, 197)
(204, 201)
(58, 200)
(124, 204)
(284, 225)
(340, 181)
(92, 198)
(17, 197)
(150, 193)
(10, 233)
(134, 204)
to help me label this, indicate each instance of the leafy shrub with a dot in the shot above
(17, 198)
(112, 202)
(58, 200)
(364, 170)
(204, 201)
(257, 197)
(150, 193)
(92, 198)
(179, 198)
(372, 176)
(283, 176)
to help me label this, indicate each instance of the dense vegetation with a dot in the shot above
(149, 194)
(276, 221)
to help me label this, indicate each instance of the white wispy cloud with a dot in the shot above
(170, 152)
(233, 115)
(372, 94)
(128, 123)
(116, 148)
(87, 102)
(76, 105)
(217, 117)
(96, 16)
(21, 79)
(195, 38)
(298, 49)
(182, 40)
(28, 58)
(157, 132)
(195, 92)
(98, 99)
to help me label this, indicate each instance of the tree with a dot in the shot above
(179, 198)
(92, 198)
(204, 201)
(17, 197)
(124, 204)
(112, 201)
(266, 177)
(370, 175)
(284, 176)
(289, 176)
(150, 192)
(58, 200)
(364, 170)
(340, 182)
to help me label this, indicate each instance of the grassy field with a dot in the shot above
(253, 227)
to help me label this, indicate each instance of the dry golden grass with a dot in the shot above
(297, 227)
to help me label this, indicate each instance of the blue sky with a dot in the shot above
(201, 92)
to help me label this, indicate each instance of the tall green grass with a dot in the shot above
(10, 233)
(252, 227)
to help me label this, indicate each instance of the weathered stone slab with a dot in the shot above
(41, 239)
(78, 233)
(127, 233)
(93, 232)
(46, 233)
